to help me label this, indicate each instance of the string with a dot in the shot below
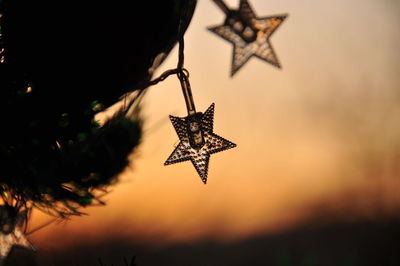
(181, 56)
(180, 71)
(222, 5)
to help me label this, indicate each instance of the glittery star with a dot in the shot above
(249, 35)
(12, 234)
(197, 141)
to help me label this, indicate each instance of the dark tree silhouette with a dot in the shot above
(63, 62)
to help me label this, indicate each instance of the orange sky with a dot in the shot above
(324, 129)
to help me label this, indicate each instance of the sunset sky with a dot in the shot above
(320, 134)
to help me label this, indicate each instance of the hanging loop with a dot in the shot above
(183, 76)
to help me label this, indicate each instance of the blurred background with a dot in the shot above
(314, 179)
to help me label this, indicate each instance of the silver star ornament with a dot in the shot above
(248, 33)
(12, 231)
(197, 141)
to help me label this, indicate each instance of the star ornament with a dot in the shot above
(12, 232)
(197, 141)
(249, 35)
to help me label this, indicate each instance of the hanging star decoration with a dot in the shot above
(12, 231)
(197, 141)
(248, 33)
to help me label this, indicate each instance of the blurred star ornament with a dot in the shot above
(248, 33)
(12, 231)
(197, 138)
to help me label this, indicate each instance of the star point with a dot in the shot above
(197, 141)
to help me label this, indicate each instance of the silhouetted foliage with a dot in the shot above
(63, 64)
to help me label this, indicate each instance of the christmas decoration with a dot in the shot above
(195, 132)
(12, 230)
(248, 33)
(197, 140)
